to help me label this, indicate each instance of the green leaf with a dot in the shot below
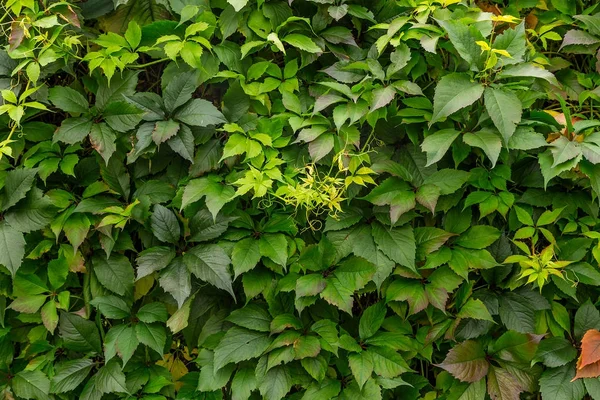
(243, 383)
(211, 379)
(549, 217)
(276, 383)
(199, 112)
(49, 316)
(31, 385)
(68, 100)
(526, 139)
(306, 347)
(587, 317)
(122, 116)
(33, 213)
(565, 6)
(73, 130)
(437, 144)
(150, 103)
(505, 109)
(395, 193)
(563, 150)
(133, 34)
(176, 280)
(274, 247)
(79, 334)
(16, 185)
(152, 335)
(114, 273)
(111, 306)
(486, 140)
(284, 321)
(111, 379)
(452, 93)
(387, 362)
(475, 309)
(514, 41)
(327, 389)
(179, 320)
(466, 361)
(302, 42)
(592, 385)
(479, 237)
(154, 259)
(164, 225)
(90, 390)
(310, 285)
(382, 97)
(206, 158)
(12, 248)
(120, 85)
(152, 312)
(475, 390)
(76, 228)
(448, 180)
(410, 291)
(516, 313)
(238, 345)
(430, 239)
(464, 39)
(353, 274)
(396, 243)
(217, 194)
(164, 130)
(245, 255)
(316, 367)
(371, 391)
(238, 4)
(29, 304)
(321, 146)
(528, 70)
(361, 365)
(183, 143)
(70, 374)
(210, 263)
(371, 320)
(555, 352)
(557, 384)
(121, 340)
(236, 144)
(252, 317)
(549, 171)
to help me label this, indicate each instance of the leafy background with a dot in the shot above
(303, 199)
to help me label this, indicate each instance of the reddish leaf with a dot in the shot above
(590, 349)
(502, 385)
(466, 361)
(17, 34)
(588, 371)
(67, 13)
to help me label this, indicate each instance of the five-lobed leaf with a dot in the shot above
(295, 281)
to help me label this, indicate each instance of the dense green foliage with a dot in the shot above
(300, 199)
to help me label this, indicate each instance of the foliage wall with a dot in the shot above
(303, 199)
